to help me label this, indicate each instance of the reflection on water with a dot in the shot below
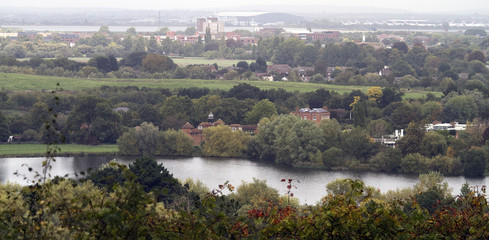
(60, 167)
(213, 172)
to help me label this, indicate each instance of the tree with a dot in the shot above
(378, 127)
(475, 163)
(98, 39)
(104, 64)
(401, 46)
(287, 51)
(390, 95)
(208, 36)
(15, 49)
(93, 121)
(430, 199)
(388, 160)
(476, 55)
(413, 163)
(255, 195)
(317, 78)
(432, 180)
(38, 115)
(153, 46)
(242, 66)
(412, 140)
(374, 93)
(403, 114)
(4, 129)
(261, 65)
(149, 113)
(359, 113)
(243, 91)
(179, 107)
(155, 178)
(460, 108)
(157, 63)
(261, 109)
(174, 143)
(401, 68)
(222, 141)
(134, 60)
(331, 131)
(318, 98)
(141, 140)
(357, 143)
(288, 140)
(431, 111)
(409, 81)
(433, 144)
(448, 85)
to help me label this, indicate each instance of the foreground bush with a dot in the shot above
(147, 202)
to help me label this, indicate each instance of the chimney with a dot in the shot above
(210, 118)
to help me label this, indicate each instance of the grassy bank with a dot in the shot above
(24, 82)
(14, 150)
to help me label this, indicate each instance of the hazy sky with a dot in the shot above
(413, 5)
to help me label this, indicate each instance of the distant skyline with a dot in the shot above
(422, 6)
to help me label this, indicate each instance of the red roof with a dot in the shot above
(187, 126)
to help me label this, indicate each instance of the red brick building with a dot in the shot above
(315, 114)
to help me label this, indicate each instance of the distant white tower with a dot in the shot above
(363, 38)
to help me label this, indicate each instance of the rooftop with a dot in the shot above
(313, 110)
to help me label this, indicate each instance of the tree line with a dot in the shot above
(147, 122)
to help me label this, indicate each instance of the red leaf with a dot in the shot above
(283, 180)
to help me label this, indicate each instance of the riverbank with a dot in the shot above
(39, 150)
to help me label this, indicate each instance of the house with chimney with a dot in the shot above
(196, 133)
(312, 114)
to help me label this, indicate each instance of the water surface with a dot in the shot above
(310, 183)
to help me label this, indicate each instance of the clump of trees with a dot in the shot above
(148, 140)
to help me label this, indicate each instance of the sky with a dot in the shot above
(410, 5)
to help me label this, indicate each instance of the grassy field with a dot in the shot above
(24, 82)
(66, 149)
(184, 61)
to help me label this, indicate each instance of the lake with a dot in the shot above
(311, 185)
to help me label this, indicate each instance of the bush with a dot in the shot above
(333, 157)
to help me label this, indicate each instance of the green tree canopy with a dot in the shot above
(261, 109)
(222, 141)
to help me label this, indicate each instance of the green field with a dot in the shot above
(184, 61)
(66, 149)
(24, 82)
